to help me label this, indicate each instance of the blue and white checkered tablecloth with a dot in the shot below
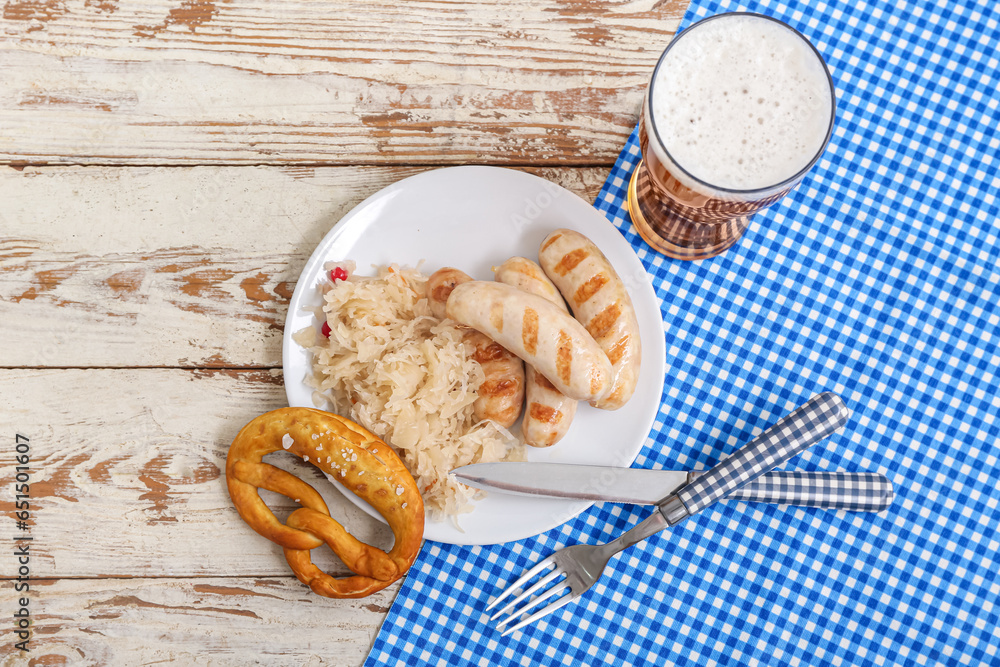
(879, 279)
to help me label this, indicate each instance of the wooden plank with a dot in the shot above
(127, 474)
(346, 83)
(210, 621)
(188, 267)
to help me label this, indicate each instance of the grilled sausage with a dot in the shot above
(598, 298)
(538, 332)
(501, 395)
(439, 286)
(527, 276)
(548, 413)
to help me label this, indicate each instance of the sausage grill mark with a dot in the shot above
(492, 352)
(604, 321)
(564, 357)
(552, 239)
(615, 395)
(618, 350)
(570, 261)
(596, 382)
(529, 331)
(496, 316)
(441, 292)
(497, 387)
(544, 413)
(526, 273)
(590, 288)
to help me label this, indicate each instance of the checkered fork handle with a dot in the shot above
(820, 417)
(849, 491)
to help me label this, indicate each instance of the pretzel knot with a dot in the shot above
(359, 461)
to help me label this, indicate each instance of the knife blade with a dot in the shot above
(852, 491)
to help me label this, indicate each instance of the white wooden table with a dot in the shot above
(167, 169)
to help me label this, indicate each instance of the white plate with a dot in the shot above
(474, 218)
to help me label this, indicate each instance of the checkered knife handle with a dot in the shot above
(821, 416)
(849, 491)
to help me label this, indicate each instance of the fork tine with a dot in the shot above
(520, 582)
(564, 600)
(541, 582)
(542, 597)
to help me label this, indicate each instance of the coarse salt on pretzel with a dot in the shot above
(359, 461)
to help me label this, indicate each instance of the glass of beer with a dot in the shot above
(739, 108)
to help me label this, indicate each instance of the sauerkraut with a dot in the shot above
(403, 374)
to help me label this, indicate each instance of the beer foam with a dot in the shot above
(741, 103)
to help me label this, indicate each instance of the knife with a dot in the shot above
(850, 491)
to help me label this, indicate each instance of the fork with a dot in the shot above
(578, 567)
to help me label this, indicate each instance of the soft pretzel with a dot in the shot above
(359, 461)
